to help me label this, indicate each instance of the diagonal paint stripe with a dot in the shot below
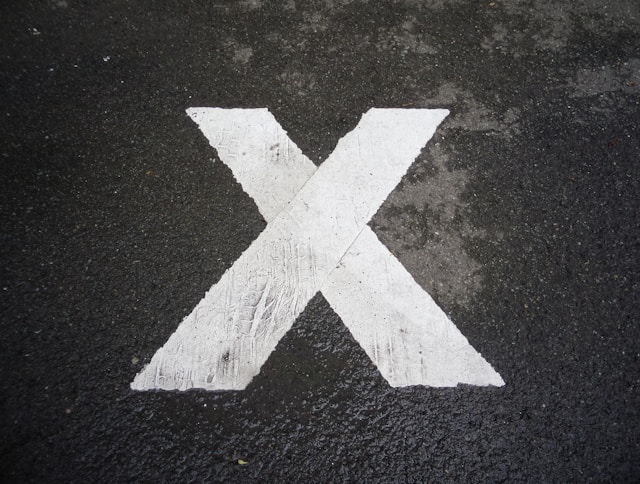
(400, 327)
(397, 323)
(269, 166)
(223, 343)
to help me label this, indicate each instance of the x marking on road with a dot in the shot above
(316, 239)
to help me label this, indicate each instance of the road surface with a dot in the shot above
(519, 217)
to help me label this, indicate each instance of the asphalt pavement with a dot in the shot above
(520, 218)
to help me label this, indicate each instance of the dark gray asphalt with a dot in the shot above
(520, 218)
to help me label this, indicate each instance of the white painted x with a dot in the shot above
(316, 239)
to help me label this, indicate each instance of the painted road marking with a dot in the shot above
(316, 239)
(386, 315)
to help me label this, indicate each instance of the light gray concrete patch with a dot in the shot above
(430, 4)
(624, 77)
(472, 115)
(314, 22)
(504, 39)
(424, 224)
(251, 4)
(551, 25)
(407, 38)
(298, 83)
(242, 54)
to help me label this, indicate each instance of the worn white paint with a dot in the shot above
(317, 221)
(268, 165)
(400, 327)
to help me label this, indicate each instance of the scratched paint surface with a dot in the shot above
(225, 340)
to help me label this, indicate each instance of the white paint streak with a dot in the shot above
(268, 165)
(223, 343)
(404, 332)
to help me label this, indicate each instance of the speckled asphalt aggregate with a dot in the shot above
(520, 218)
